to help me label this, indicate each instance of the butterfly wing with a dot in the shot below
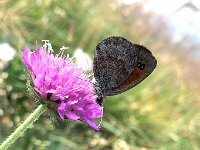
(146, 63)
(114, 61)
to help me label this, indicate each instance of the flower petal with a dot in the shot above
(93, 124)
(71, 115)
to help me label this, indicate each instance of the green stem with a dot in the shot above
(33, 117)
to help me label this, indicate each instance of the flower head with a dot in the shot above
(58, 80)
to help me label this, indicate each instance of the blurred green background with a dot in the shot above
(160, 113)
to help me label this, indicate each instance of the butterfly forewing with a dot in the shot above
(114, 60)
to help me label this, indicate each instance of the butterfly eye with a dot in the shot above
(99, 101)
(140, 65)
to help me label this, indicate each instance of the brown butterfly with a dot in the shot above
(120, 65)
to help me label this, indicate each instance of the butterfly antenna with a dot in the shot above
(89, 81)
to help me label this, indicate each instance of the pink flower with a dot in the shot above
(58, 80)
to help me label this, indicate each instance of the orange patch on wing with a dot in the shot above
(134, 76)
